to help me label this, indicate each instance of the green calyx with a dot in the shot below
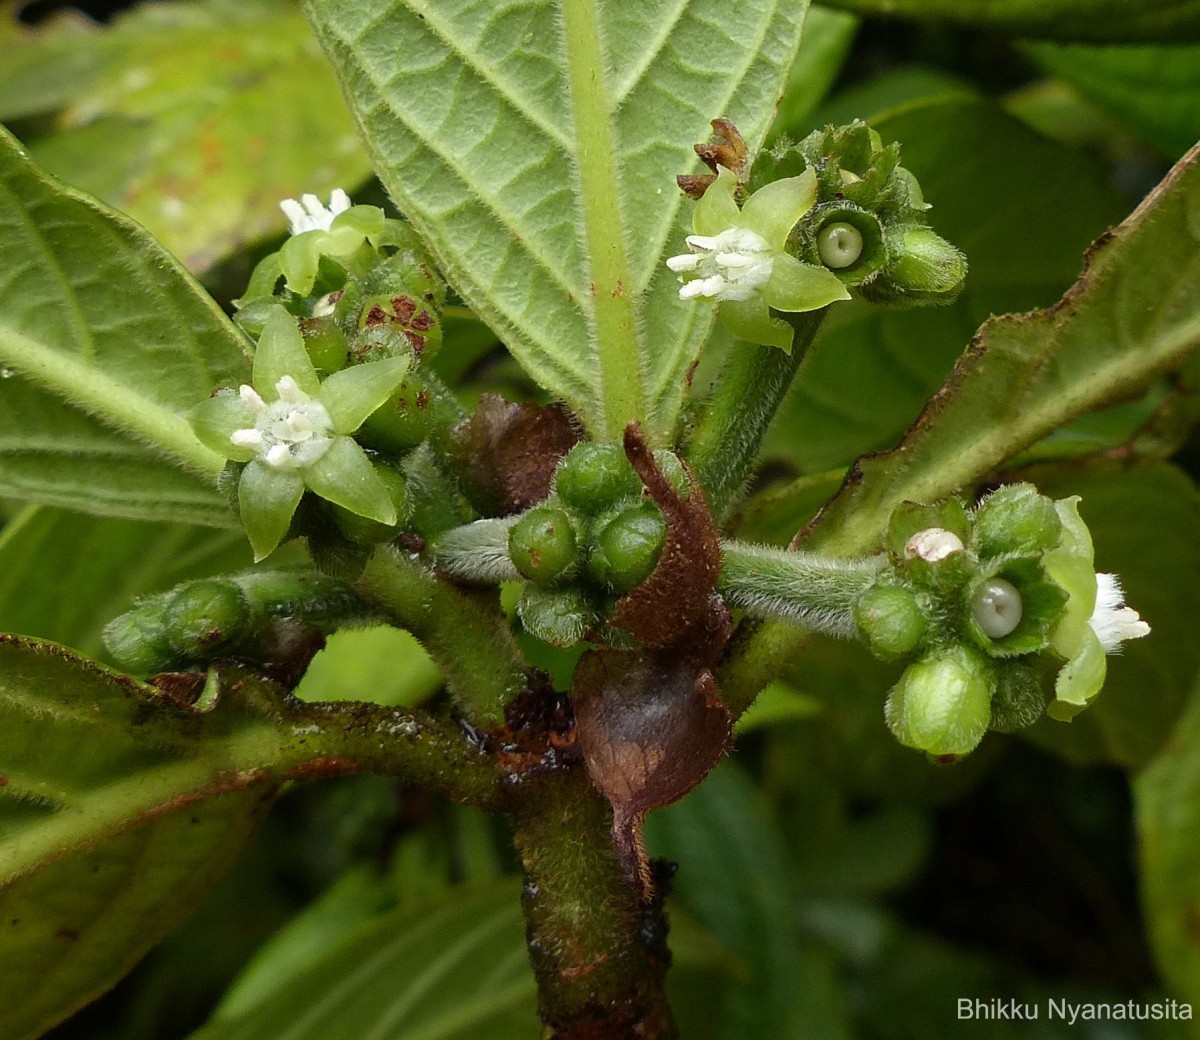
(626, 548)
(542, 544)
(861, 187)
(593, 477)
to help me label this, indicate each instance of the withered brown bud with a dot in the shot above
(508, 452)
(726, 148)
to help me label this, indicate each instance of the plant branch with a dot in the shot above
(598, 951)
(722, 448)
(471, 644)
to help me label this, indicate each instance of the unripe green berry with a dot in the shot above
(137, 642)
(891, 619)
(839, 244)
(628, 546)
(1016, 519)
(542, 544)
(404, 420)
(942, 704)
(204, 616)
(594, 477)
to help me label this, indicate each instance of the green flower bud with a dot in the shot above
(560, 617)
(1016, 519)
(366, 531)
(628, 546)
(542, 544)
(924, 266)
(137, 642)
(205, 616)
(1019, 700)
(942, 704)
(325, 343)
(891, 619)
(595, 477)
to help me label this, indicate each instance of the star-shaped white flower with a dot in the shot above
(309, 215)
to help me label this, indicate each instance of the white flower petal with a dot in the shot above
(251, 398)
(1111, 620)
(246, 438)
(685, 262)
(289, 391)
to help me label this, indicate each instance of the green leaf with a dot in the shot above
(828, 36)
(63, 575)
(736, 880)
(95, 313)
(1133, 314)
(1116, 21)
(382, 665)
(1023, 209)
(1167, 804)
(195, 119)
(1155, 90)
(455, 969)
(535, 146)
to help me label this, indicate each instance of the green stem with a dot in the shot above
(614, 318)
(814, 592)
(722, 448)
(471, 643)
(599, 969)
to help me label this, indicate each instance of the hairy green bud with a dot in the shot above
(891, 620)
(1016, 519)
(628, 546)
(542, 544)
(204, 617)
(595, 477)
(942, 704)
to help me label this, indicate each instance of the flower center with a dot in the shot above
(289, 434)
(733, 265)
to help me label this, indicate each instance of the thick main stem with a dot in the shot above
(597, 949)
(723, 446)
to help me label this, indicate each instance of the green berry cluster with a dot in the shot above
(868, 225)
(970, 597)
(593, 540)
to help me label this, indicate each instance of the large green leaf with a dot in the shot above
(457, 969)
(1156, 90)
(118, 805)
(105, 343)
(64, 575)
(735, 877)
(195, 119)
(1101, 20)
(535, 145)
(1022, 208)
(1167, 800)
(1133, 314)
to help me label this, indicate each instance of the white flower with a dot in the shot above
(288, 434)
(1111, 620)
(733, 265)
(309, 215)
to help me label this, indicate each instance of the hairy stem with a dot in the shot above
(471, 643)
(814, 592)
(598, 952)
(723, 446)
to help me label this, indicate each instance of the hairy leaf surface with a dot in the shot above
(105, 343)
(535, 143)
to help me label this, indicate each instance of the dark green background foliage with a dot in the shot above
(832, 884)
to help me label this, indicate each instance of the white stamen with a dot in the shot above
(246, 438)
(309, 215)
(733, 265)
(1111, 620)
(251, 398)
